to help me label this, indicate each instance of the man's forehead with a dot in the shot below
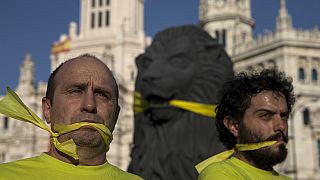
(267, 97)
(84, 70)
(83, 61)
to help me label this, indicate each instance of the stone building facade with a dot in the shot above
(20, 139)
(113, 31)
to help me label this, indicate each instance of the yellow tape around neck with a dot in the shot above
(141, 105)
(12, 106)
(226, 154)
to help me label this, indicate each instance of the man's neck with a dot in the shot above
(87, 156)
(241, 157)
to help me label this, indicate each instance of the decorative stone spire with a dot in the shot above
(26, 79)
(284, 21)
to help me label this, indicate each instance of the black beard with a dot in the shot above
(264, 158)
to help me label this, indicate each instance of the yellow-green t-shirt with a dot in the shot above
(236, 169)
(49, 168)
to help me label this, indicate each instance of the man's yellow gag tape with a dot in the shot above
(226, 154)
(141, 105)
(12, 106)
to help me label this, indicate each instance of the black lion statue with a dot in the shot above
(183, 63)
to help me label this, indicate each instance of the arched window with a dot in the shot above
(306, 117)
(93, 3)
(2, 157)
(107, 13)
(314, 75)
(100, 19)
(301, 74)
(318, 144)
(6, 123)
(92, 20)
(132, 75)
(221, 36)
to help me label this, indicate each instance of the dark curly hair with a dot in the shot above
(236, 97)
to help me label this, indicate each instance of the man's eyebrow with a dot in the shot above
(265, 110)
(77, 85)
(107, 90)
(102, 89)
(285, 113)
(86, 85)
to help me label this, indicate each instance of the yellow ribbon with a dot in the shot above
(12, 106)
(226, 154)
(141, 105)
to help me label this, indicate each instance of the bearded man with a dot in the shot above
(252, 119)
(178, 77)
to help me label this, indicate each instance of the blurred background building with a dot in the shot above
(113, 30)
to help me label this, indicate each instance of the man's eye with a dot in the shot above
(103, 95)
(285, 116)
(75, 91)
(265, 116)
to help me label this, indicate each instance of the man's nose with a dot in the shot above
(89, 102)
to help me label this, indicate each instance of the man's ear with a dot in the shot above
(115, 118)
(46, 109)
(117, 112)
(232, 125)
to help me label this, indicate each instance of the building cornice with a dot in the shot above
(272, 45)
(228, 16)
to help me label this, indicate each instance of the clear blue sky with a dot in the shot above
(31, 26)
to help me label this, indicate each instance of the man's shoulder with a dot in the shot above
(117, 173)
(236, 169)
(19, 168)
(38, 167)
(219, 170)
(21, 162)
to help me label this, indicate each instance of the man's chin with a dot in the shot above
(279, 147)
(269, 156)
(87, 137)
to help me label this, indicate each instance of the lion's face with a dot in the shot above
(182, 63)
(165, 72)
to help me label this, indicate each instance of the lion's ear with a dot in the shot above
(231, 125)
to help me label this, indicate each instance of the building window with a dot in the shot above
(132, 75)
(243, 37)
(301, 74)
(100, 3)
(306, 117)
(224, 38)
(108, 2)
(221, 37)
(314, 75)
(2, 157)
(318, 143)
(6, 123)
(92, 20)
(93, 3)
(100, 19)
(107, 18)
(217, 33)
